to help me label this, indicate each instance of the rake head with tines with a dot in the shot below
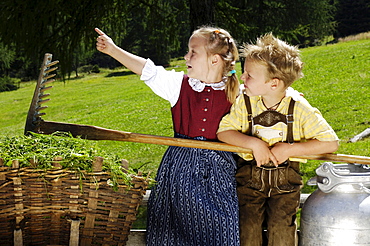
(36, 124)
(34, 114)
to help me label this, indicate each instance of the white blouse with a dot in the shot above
(167, 84)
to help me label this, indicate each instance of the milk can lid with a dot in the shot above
(330, 176)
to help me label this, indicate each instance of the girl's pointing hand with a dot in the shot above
(104, 43)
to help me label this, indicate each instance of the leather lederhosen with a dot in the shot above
(268, 195)
(281, 181)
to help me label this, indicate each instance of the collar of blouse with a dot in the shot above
(199, 86)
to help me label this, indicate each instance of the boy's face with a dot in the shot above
(254, 78)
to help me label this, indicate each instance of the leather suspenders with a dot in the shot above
(289, 118)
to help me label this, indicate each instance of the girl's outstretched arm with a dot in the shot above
(106, 45)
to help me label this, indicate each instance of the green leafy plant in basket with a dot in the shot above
(40, 151)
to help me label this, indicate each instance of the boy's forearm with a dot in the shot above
(236, 138)
(261, 151)
(283, 151)
(313, 147)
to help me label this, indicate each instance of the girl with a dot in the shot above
(194, 201)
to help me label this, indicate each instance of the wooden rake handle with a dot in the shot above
(98, 133)
(34, 123)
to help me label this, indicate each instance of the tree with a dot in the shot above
(36, 27)
(66, 28)
(201, 13)
(158, 37)
(6, 59)
(158, 29)
(353, 17)
(297, 22)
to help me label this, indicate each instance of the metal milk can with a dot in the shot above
(338, 213)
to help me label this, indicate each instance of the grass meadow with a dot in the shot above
(337, 82)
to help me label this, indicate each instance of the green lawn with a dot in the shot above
(337, 82)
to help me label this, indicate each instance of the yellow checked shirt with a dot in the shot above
(308, 123)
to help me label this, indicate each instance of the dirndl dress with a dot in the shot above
(194, 202)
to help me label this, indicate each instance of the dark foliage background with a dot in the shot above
(158, 29)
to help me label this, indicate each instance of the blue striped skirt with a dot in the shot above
(194, 202)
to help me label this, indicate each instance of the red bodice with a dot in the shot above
(199, 113)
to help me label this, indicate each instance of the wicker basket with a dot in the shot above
(57, 207)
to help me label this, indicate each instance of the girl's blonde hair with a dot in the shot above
(281, 59)
(220, 42)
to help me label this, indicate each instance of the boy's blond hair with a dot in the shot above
(220, 42)
(281, 59)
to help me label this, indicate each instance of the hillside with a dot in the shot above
(337, 82)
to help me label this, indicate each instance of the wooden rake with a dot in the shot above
(35, 123)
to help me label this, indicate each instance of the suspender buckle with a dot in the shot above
(249, 117)
(289, 118)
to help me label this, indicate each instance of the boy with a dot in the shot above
(276, 126)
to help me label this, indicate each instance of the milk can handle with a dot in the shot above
(330, 179)
(362, 187)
